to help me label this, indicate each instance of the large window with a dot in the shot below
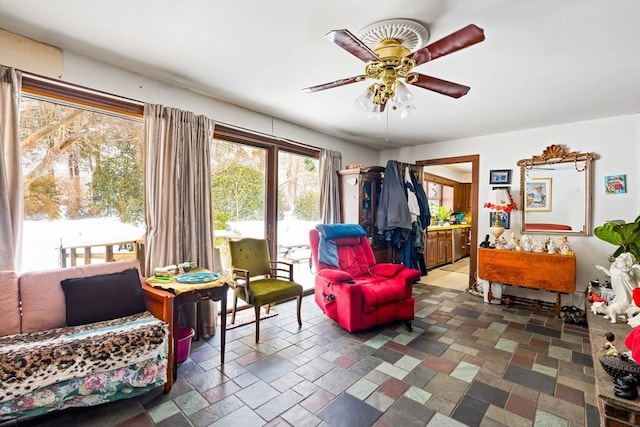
(82, 163)
(82, 182)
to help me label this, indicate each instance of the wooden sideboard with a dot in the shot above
(549, 272)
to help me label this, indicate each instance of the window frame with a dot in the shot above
(272, 145)
(79, 96)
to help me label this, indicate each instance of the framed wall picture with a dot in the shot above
(434, 191)
(615, 184)
(505, 218)
(500, 177)
(538, 195)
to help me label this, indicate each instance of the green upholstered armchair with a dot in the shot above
(259, 280)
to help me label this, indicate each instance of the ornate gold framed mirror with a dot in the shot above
(555, 192)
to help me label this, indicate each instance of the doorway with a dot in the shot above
(474, 160)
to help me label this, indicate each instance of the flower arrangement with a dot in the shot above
(501, 201)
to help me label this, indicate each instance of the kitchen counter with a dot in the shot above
(447, 227)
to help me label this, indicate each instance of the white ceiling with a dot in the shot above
(542, 63)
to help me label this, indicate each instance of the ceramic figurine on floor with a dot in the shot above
(589, 292)
(626, 387)
(609, 347)
(624, 273)
(599, 307)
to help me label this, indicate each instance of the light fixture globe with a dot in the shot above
(392, 40)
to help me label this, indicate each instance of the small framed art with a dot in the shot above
(615, 184)
(538, 195)
(500, 177)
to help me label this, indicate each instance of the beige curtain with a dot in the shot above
(178, 197)
(330, 163)
(11, 185)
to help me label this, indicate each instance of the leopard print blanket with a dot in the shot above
(34, 360)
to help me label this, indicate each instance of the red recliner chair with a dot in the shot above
(358, 293)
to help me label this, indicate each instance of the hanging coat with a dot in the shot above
(425, 213)
(393, 219)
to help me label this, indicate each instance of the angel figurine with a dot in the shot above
(563, 246)
(551, 246)
(625, 275)
(537, 246)
(512, 243)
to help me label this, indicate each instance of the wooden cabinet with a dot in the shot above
(550, 272)
(465, 239)
(438, 248)
(431, 250)
(444, 247)
(359, 196)
(462, 198)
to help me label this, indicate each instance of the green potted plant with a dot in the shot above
(625, 235)
(443, 214)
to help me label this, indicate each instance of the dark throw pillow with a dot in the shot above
(103, 297)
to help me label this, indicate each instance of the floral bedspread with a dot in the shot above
(81, 366)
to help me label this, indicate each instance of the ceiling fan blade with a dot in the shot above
(444, 87)
(462, 38)
(352, 44)
(333, 84)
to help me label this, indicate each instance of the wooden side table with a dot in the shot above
(194, 293)
(549, 272)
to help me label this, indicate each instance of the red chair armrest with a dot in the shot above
(336, 276)
(386, 269)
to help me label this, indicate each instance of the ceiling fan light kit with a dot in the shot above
(389, 50)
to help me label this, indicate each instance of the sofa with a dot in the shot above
(80, 336)
(351, 288)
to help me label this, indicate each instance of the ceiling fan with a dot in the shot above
(391, 58)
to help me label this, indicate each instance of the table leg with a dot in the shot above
(489, 296)
(223, 325)
(197, 325)
(174, 334)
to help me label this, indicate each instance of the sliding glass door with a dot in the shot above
(298, 211)
(265, 188)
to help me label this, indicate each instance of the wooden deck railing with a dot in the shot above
(68, 256)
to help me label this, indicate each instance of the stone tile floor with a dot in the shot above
(465, 363)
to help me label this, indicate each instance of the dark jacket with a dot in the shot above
(393, 219)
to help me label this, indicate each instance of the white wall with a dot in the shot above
(101, 76)
(447, 172)
(615, 140)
